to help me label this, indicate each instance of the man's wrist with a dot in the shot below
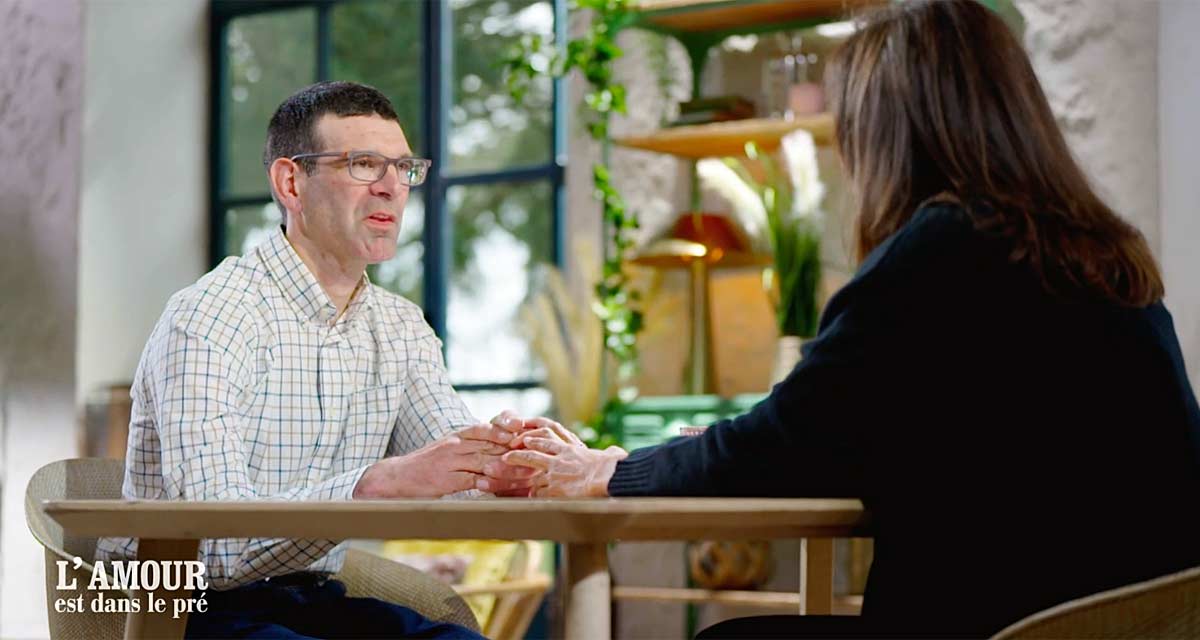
(381, 481)
(367, 488)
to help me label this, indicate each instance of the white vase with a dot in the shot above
(787, 356)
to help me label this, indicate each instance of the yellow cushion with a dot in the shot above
(488, 563)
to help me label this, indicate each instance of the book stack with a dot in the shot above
(718, 109)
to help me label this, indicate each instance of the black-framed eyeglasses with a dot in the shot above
(368, 166)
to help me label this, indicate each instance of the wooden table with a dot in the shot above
(172, 530)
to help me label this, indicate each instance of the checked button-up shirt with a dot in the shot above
(252, 388)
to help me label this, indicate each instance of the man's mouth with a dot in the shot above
(380, 217)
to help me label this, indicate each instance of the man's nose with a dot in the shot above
(390, 184)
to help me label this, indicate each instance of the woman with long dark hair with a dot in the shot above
(1000, 382)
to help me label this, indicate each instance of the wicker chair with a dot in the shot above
(1165, 607)
(94, 478)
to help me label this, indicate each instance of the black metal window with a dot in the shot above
(491, 208)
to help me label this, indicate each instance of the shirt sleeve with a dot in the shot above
(197, 384)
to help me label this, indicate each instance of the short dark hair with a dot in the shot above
(293, 128)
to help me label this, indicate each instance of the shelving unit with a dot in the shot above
(729, 138)
(700, 25)
(729, 17)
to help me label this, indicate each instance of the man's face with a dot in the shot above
(349, 219)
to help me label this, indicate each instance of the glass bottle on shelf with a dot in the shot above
(788, 91)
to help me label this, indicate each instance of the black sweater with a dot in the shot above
(1014, 449)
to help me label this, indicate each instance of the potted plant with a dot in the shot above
(779, 206)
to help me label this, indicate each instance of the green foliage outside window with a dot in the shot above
(593, 55)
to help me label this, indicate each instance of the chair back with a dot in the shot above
(85, 478)
(501, 580)
(368, 575)
(526, 586)
(1165, 607)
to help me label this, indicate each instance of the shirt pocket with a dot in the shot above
(371, 414)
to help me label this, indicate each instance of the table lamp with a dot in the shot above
(700, 242)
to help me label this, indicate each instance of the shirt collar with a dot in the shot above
(300, 286)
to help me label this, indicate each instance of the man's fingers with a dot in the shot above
(486, 433)
(475, 461)
(527, 458)
(461, 481)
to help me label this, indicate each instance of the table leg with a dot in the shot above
(588, 592)
(148, 624)
(816, 576)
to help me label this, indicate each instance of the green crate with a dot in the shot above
(653, 420)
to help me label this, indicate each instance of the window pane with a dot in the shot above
(379, 43)
(485, 405)
(500, 232)
(270, 56)
(246, 227)
(487, 129)
(403, 273)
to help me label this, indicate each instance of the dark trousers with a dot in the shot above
(304, 606)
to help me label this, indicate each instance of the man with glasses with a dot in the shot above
(284, 374)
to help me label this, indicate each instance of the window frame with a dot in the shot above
(437, 238)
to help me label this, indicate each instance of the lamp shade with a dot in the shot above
(700, 236)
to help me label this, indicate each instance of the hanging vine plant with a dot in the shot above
(594, 54)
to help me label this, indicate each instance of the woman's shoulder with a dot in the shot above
(937, 233)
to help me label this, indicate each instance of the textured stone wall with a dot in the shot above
(1098, 64)
(41, 53)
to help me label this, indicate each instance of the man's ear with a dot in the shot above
(285, 178)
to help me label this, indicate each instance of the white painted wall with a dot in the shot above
(1179, 139)
(143, 223)
(96, 234)
(41, 46)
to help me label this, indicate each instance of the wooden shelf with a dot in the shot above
(735, 16)
(729, 138)
(773, 600)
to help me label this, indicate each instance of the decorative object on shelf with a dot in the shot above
(721, 109)
(781, 210)
(700, 242)
(789, 88)
(729, 564)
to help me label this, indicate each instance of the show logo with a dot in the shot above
(115, 580)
